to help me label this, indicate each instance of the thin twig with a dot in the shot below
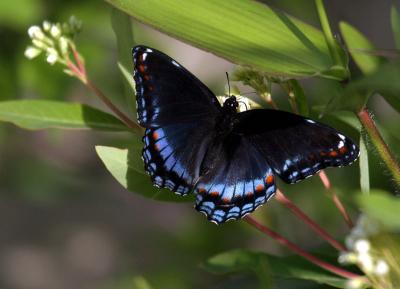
(283, 241)
(335, 198)
(80, 73)
(281, 198)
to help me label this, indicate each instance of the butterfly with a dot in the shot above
(228, 159)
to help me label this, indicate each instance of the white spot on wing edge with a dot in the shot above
(175, 63)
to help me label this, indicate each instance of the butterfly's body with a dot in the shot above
(228, 159)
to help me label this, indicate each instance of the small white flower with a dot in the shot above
(46, 25)
(52, 56)
(362, 246)
(55, 31)
(347, 258)
(381, 268)
(39, 44)
(355, 283)
(31, 52)
(366, 262)
(63, 41)
(35, 32)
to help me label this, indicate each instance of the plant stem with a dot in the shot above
(327, 184)
(281, 198)
(380, 145)
(326, 28)
(80, 72)
(283, 241)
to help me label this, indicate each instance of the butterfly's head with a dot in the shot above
(231, 105)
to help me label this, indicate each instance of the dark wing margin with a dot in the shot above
(167, 93)
(295, 147)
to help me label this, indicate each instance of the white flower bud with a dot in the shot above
(55, 31)
(355, 283)
(39, 44)
(366, 262)
(63, 41)
(52, 56)
(35, 32)
(381, 268)
(31, 52)
(362, 246)
(347, 258)
(46, 25)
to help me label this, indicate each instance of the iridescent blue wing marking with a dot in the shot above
(294, 146)
(178, 112)
(240, 181)
(167, 93)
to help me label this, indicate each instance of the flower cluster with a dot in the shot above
(53, 39)
(363, 254)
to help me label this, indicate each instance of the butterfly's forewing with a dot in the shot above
(178, 112)
(239, 181)
(166, 93)
(294, 146)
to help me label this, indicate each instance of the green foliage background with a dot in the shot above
(67, 222)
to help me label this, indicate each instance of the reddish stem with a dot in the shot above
(327, 184)
(81, 74)
(283, 241)
(280, 197)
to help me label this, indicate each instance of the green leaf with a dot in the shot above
(385, 80)
(127, 167)
(360, 48)
(122, 26)
(41, 114)
(243, 31)
(381, 206)
(364, 167)
(395, 21)
(293, 267)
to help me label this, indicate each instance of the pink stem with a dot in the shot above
(280, 197)
(281, 240)
(327, 184)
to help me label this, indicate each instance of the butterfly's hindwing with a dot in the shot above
(241, 181)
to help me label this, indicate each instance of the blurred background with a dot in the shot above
(66, 223)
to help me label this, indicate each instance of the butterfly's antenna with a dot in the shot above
(229, 85)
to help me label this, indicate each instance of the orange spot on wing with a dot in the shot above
(333, 153)
(249, 194)
(214, 194)
(226, 200)
(141, 68)
(259, 188)
(201, 190)
(322, 154)
(155, 135)
(146, 77)
(269, 180)
(343, 150)
(156, 147)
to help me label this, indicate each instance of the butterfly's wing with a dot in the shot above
(237, 183)
(178, 112)
(167, 93)
(295, 147)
